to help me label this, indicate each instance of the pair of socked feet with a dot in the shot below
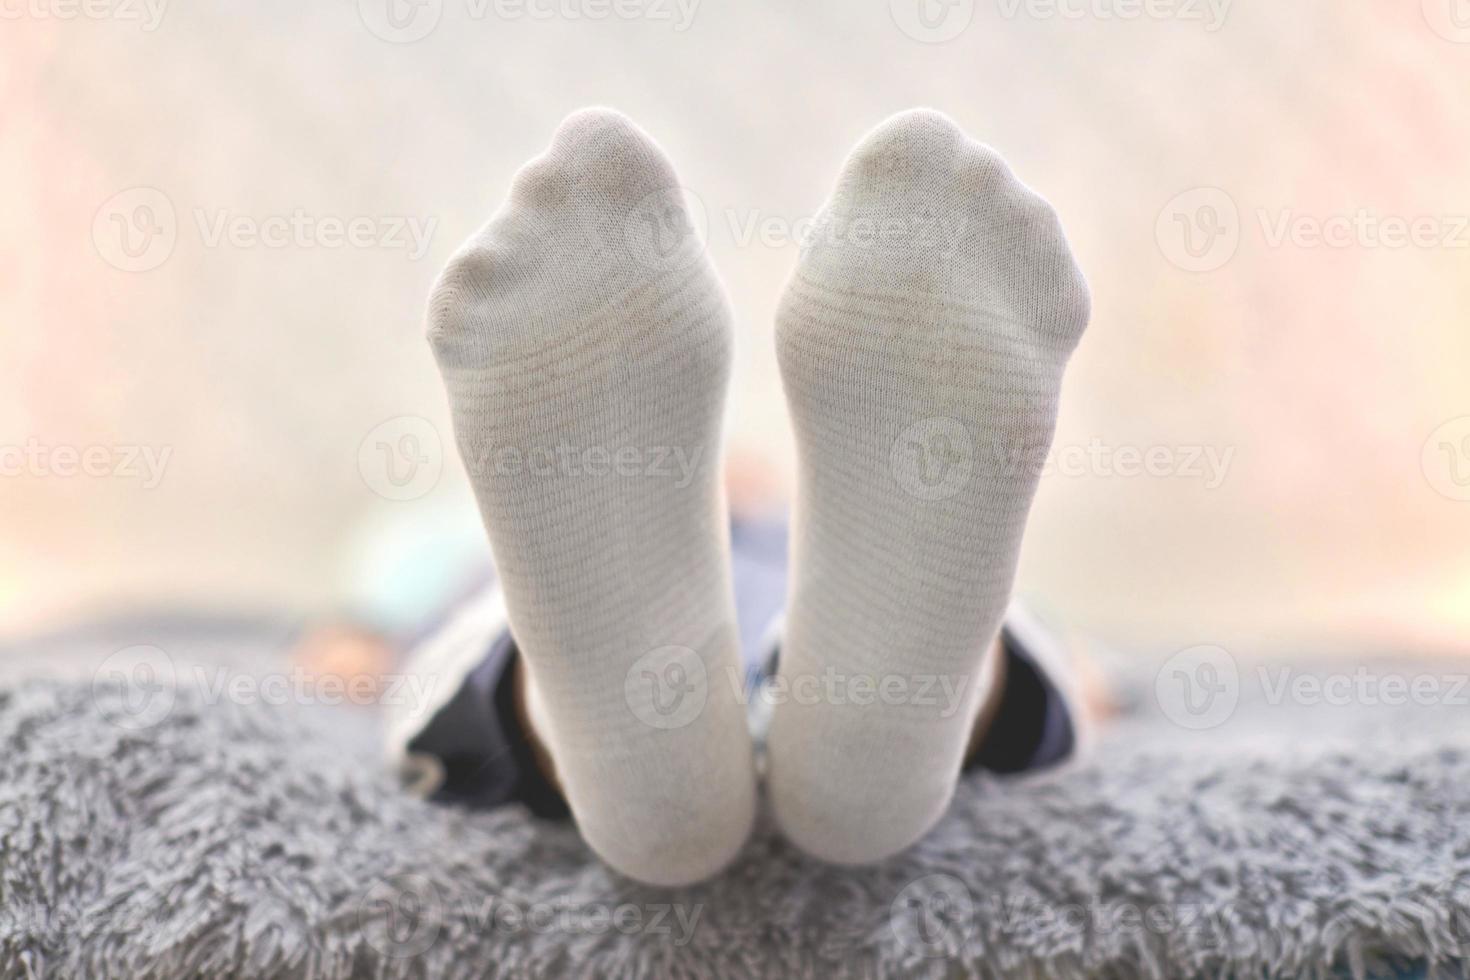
(584, 337)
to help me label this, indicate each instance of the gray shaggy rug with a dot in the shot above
(227, 837)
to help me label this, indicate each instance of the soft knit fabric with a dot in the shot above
(585, 343)
(470, 744)
(922, 342)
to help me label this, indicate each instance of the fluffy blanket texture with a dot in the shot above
(215, 834)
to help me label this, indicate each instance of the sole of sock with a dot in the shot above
(922, 342)
(585, 343)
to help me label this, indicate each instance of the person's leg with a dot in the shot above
(585, 344)
(922, 342)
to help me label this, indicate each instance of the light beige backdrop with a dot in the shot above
(1320, 358)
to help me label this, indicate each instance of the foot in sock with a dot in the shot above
(585, 344)
(922, 342)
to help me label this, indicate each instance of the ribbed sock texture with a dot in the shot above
(585, 344)
(922, 342)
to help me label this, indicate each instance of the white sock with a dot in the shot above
(922, 342)
(585, 343)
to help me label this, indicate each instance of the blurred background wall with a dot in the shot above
(1233, 177)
